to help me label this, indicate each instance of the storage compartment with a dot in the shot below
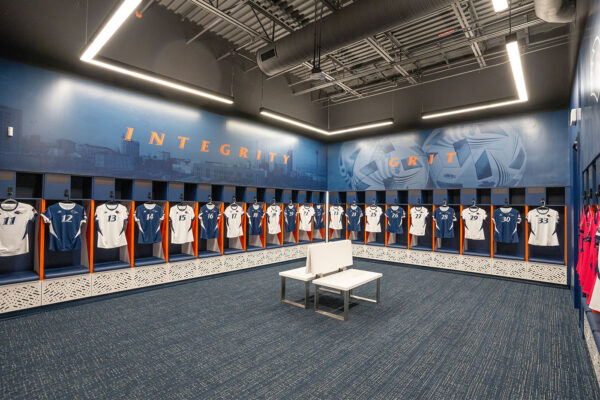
(191, 191)
(427, 197)
(123, 189)
(555, 196)
(484, 197)
(29, 186)
(423, 242)
(551, 254)
(81, 187)
(517, 196)
(159, 190)
(399, 240)
(450, 245)
(513, 251)
(454, 196)
(475, 247)
(151, 253)
(115, 258)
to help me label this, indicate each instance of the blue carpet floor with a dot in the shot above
(436, 335)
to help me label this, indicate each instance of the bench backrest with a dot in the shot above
(324, 258)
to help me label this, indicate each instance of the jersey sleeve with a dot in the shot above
(529, 216)
(227, 212)
(162, 213)
(136, 218)
(454, 216)
(47, 215)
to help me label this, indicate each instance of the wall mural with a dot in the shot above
(69, 125)
(523, 151)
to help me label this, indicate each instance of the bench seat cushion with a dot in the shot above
(299, 274)
(348, 279)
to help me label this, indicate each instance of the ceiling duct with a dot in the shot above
(349, 25)
(555, 11)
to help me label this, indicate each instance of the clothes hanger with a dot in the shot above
(233, 203)
(210, 202)
(67, 198)
(291, 203)
(473, 206)
(9, 200)
(181, 205)
(543, 208)
(373, 204)
(149, 201)
(444, 203)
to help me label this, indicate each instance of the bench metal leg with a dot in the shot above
(377, 298)
(306, 295)
(327, 313)
(346, 304)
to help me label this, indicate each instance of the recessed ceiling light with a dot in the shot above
(500, 5)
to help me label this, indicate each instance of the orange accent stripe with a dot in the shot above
(41, 243)
(195, 229)
(131, 235)
(492, 232)
(165, 231)
(565, 241)
(408, 236)
(90, 236)
(244, 228)
(221, 228)
(432, 229)
(526, 235)
(461, 230)
(387, 234)
(263, 237)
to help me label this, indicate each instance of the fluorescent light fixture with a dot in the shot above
(309, 127)
(114, 23)
(500, 5)
(514, 57)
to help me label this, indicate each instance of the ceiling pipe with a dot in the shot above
(356, 22)
(555, 11)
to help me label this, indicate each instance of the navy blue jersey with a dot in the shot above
(318, 222)
(505, 225)
(354, 215)
(289, 216)
(395, 217)
(209, 221)
(65, 220)
(444, 218)
(148, 217)
(255, 216)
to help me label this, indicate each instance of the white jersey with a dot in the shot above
(234, 214)
(336, 213)
(14, 228)
(180, 218)
(111, 219)
(374, 214)
(543, 227)
(306, 214)
(474, 218)
(273, 223)
(418, 220)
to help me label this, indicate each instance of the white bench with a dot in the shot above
(326, 265)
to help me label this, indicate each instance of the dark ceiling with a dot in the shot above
(175, 39)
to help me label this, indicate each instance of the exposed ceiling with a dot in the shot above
(448, 59)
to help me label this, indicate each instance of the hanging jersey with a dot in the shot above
(474, 218)
(110, 219)
(289, 215)
(65, 220)
(306, 214)
(319, 223)
(14, 228)
(234, 214)
(373, 218)
(335, 217)
(209, 221)
(543, 227)
(395, 215)
(506, 221)
(180, 218)
(274, 225)
(444, 218)
(418, 220)
(148, 218)
(255, 215)
(354, 214)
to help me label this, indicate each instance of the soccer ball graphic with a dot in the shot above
(366, 164)
(486, 156)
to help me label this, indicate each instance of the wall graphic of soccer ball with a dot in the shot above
(365, 164)
(486, 156)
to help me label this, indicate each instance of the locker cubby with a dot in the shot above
(56, 186)
(251, 194)
(175, 191)
(241, 194)
(355, 197)
(450, 245)
(535, 195)
(235, 244)
(555, 196)
(370, 196)
(103, 188)
(439, 196)
(81, 187)
(357, 237)
(484, 197)
(551, 254)
(181, 251)
(593, 181)
(29, 186)
(500, 196)
(467, 196)
(153, 253)
(319, 235)
(454, 196)
(123, 189)
(415, 196)
(110, 259)
(295, 196)
(337, 198)
(191, 192)
(270, 196)
(513, 251)
(391, 197)
(7, 184)
(375, 238)
(210, 247)
(279, 195)
(403, 197)
(479, 247)
(217, 193)
(290, 238)
(302, 196)
(427, 197)
(203, 192)
(159, 190)
(286, 196)
(261, 194)
(255, 242)
(22, 267)
(399, 240)
(517, 196)
(59, 264)
(424, 242)
(229, 192)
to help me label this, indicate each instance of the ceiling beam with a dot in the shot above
(334, 81)
(387, 57)
(269, 15)
(468, 31)
(331, 4)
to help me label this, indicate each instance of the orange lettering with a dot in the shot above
(159, 140)
(394, 162)
(225, 149)
(286, 158)
(129, 134)
(412, 160)
(243, 152)
(204, 147)
(258, 155)
(182, 140)
(450, 156)
(431, 158)
(272, 156)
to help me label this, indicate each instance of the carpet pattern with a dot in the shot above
(436, 335)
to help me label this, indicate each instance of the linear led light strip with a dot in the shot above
(309, 127)
(500, 5)
(114, 23)
(514, 57)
